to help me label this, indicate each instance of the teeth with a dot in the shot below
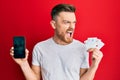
(69, 31)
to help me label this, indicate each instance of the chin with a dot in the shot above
(69, 40)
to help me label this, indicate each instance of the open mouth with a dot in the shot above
(70, 33)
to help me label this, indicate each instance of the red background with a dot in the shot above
(31, 18)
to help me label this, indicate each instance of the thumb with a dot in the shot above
(91, 49)
(26, 51)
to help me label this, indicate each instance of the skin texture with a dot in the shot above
(64, 27)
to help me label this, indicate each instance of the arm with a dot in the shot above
(88, 74)
(29, 73)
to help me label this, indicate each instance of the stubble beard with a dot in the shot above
(64, 38)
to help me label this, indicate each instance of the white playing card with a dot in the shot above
(93, 42)
(100, 44)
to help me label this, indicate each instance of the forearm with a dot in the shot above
(96, 58)
(27, 71)
(89, 75)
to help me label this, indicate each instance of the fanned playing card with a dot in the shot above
(93, 42)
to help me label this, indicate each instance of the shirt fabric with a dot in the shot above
(60, 62)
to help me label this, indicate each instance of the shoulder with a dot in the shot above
(79, 44)
(43, 43)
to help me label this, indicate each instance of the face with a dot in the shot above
(64, 26)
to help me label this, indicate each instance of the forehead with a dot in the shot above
(69, 16)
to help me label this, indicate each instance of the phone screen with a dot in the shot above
(19, 46)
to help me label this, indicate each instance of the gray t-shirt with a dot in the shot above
(60, 62)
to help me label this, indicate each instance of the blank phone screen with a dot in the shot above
(19, 47)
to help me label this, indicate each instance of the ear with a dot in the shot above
(52, 22)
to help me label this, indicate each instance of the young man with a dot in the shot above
(61, 57)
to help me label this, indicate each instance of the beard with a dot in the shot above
(65, 36)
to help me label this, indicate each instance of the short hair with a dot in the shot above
(61, 8)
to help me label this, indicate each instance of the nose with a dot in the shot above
(72, 25)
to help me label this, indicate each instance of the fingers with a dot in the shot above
(26, 50)
(96, 53)
(12, 51)
(91, 49)
(26, 53)
(96, 56)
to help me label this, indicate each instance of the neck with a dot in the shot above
(59, 41)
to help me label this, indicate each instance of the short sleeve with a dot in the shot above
(85, 63)
(36, 56)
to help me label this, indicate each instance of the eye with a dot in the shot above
(74, 22)
(66, 22)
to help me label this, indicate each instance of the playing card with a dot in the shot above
(93, 42)
(100, 44)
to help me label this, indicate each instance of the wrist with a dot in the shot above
(94, 66)
(25, 63)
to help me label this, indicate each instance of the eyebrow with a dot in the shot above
(69, 21)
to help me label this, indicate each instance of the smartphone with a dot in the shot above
(19, 46)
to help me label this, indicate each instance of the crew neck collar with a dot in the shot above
(61, 44)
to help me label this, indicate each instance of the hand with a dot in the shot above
(19, 61)
(96, 56)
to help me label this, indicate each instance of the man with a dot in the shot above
(61, 57)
